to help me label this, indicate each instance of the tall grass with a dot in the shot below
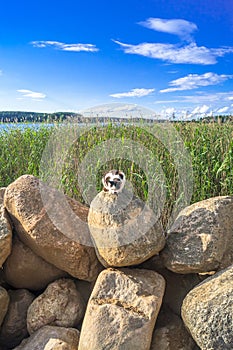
(209, 145)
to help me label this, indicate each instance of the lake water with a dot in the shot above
(10, 126)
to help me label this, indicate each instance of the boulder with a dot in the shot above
(177, 285)
(201, 238)
(59, 305)
(124, 229)
(5, 236)
(170, 333)
(207, 312)
(122, 310)
(52, 225)
(2, 191)
(4, 302)
(41, 338)
(25, 269)
(57, 344)
(85, 288)
(14, 326)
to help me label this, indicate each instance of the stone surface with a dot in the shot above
(25, 269)
(207, 312)
(5, 236)
(60, 305)
(14, 326)
(41, 338)
(125, 231)
(52, 225)
(56, 344)
(2, 191)
(4, 302)
(170, 333)
(177, 285)
(201, 238)
(85, 288)
(122, 310)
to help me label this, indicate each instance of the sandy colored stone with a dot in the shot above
(122, 310)
(201, 238)
(59, 305)
(5, 236)
(14, 326)
(125, 230)
(170, 333)
(41, 338)
(4, 302)
(25, 269)
(52, 225)
(2, 191)
(207, 312)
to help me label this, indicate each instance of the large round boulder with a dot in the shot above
(207, 311)
(5, 236)
(14, 326)
(122, 310)
(51, 337)
(201, 238)
(4, 302)
(52, 225)
(25, 269)
(60, 305)
(125, 231)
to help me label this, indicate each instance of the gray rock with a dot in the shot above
(60, 305)
(177, 287)
(207, 312)
(122, 310)
(52, 225)
(5, 236)
(14, 327)
(4, 302)
(41, 338)
(170, 333)
(125, 231)
(57, 344)
(25, 269)
(201, 238)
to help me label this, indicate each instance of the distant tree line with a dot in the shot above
(31, 117)
(26, 117)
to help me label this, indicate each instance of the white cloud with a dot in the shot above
(201, 109)
(189, 54)
(32, 94)
(168, 112)
(65, 47)
(133, 93)
(179, 27)
(193, 81)
(222, 110)
(230, 98)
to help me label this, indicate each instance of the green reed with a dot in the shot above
(210, 147)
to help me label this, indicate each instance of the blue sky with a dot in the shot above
(172, 56)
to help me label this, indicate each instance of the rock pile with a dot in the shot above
(154, 293)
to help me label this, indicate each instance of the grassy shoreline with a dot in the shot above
(210, 147)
